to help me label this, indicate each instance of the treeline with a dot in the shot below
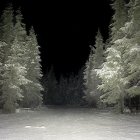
(112, 74)
(20, 71)
(65, 91)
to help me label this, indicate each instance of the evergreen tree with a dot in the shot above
(51, 95)
(88, 82)
(119, 19)
(98, 61)
(112, 75)
(6, 36)
(32, 93)
(131, 55)
(132, 42)
(115, 67)
(14, 77)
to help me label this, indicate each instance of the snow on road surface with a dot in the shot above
(56, 123)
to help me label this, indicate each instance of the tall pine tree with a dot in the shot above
(98, 61)
(88, 82)
(14, 77)
(132, 43)
(32, 91)
(119, 18)
(6, 36)
(115, 68)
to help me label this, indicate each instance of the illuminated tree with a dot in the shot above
(32, 91)
(14, 77)
(98, 61)
(120, 72)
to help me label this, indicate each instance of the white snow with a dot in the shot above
(56, 123)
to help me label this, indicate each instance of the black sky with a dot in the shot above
(65, 29)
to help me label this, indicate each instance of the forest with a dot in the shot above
(99, 102)
(110, 77)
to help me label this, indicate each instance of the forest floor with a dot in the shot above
(61, 123)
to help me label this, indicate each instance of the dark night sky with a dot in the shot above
(65, 29)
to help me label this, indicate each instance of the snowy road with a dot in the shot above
(69, 124)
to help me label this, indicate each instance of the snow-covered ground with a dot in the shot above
(56, 123)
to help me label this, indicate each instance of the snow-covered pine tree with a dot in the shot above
(14, 77)
(132, 55)
(130, 58)
(88, 82)
(7, 36)
(119, 18)
(113, 76)
(32, 91)
(115, 68)
(97, 64)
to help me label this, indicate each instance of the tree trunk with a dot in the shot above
(121, 104)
